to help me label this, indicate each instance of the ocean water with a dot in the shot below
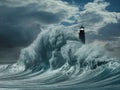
(57, 60)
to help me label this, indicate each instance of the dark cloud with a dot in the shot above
(21, 21)
(114, 48)
(19, 26)
(9, 55)
(13, 32)
(110, 32)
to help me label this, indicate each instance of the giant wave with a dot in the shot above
(58, 60)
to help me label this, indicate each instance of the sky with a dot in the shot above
(22, 20)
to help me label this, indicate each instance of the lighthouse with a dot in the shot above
(82, 35)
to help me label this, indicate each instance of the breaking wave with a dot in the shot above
(58, 60)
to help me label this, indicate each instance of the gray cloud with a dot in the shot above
(19, 26)
(21, 21)
(114, 48)
(9, 55)
(109, 32)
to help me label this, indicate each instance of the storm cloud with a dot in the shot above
(19, 26)
(21, 21)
